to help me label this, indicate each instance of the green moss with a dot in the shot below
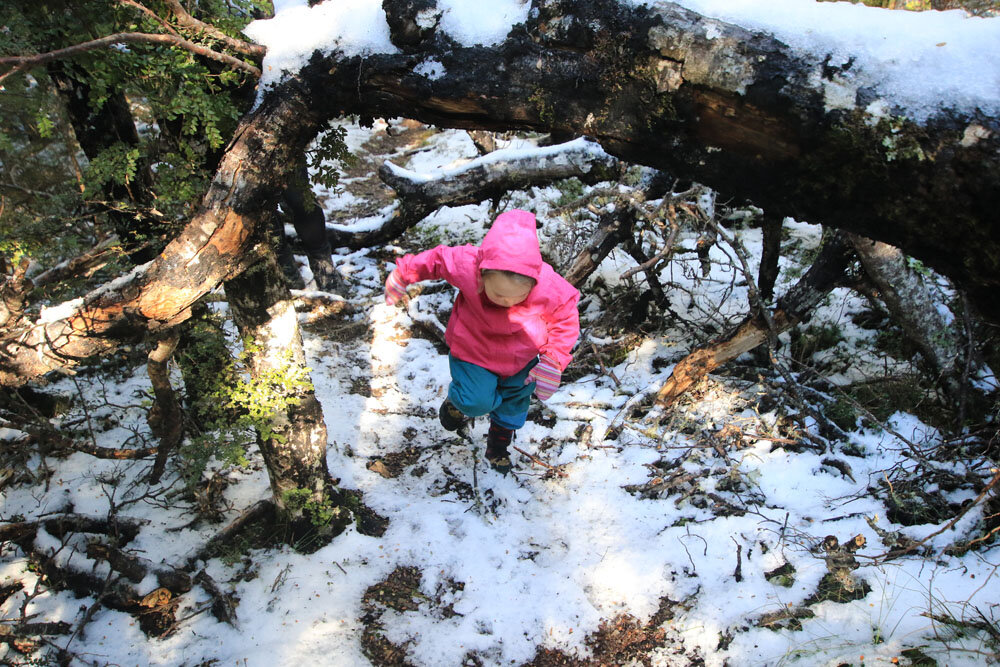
(842, 413)
(782, 576)
(545, 108)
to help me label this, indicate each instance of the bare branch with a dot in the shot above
(150, 13)
(20, 63)
(188, 21)
(914, 545)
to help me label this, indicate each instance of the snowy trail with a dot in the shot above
(644, 532)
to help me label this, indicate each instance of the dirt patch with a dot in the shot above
(394, 464)
(400, 591)
(619, 641)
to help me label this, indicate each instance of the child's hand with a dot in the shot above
(395, 290)
(546, 376)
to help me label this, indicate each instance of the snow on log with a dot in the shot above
(797, 133)
(485, 177)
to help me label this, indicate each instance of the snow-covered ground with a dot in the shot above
(550, 554)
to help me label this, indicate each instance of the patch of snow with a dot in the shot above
(919, 61)
(430, 68)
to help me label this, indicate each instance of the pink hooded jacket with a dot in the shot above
(502, 340)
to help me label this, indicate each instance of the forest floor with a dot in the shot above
(727, 529)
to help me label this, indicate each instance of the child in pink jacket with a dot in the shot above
(511, 330)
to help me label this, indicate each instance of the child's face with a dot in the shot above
(503, 290)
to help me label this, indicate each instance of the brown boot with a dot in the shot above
(497, 441)
(451, 417)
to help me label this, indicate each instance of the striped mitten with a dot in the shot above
(546, 376)
(395, 288)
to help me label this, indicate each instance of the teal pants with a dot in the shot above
(476, 392)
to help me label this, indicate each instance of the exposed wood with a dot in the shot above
(821, 277)
(109, 453)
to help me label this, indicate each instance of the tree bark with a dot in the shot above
(771, 253)
(224, 237)
(656, 85)
(665, 87)
(911, 304)
(100, 128)
(792, 308)
(165, 416)
(294, 442)
(614, 229)
(480, 179)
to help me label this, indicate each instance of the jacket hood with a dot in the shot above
(512, 245)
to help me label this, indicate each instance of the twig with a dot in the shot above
(985, 536)
(604, 370)
(738, 573)
(964, 623)
(188, 21)
(150, 13)
(694, 568)
(664, 254)
(901, 552)
(477, 501)
(534, 459)
(222, 608)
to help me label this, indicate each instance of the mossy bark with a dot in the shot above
(294, 443)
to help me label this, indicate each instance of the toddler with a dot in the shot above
(512, 327)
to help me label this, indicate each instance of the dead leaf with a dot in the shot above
(379, 467)
(157, 598)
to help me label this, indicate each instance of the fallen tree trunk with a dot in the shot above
(486, 177)
(122, 529)
(662, 86)
(657, 85)
(821, 277)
